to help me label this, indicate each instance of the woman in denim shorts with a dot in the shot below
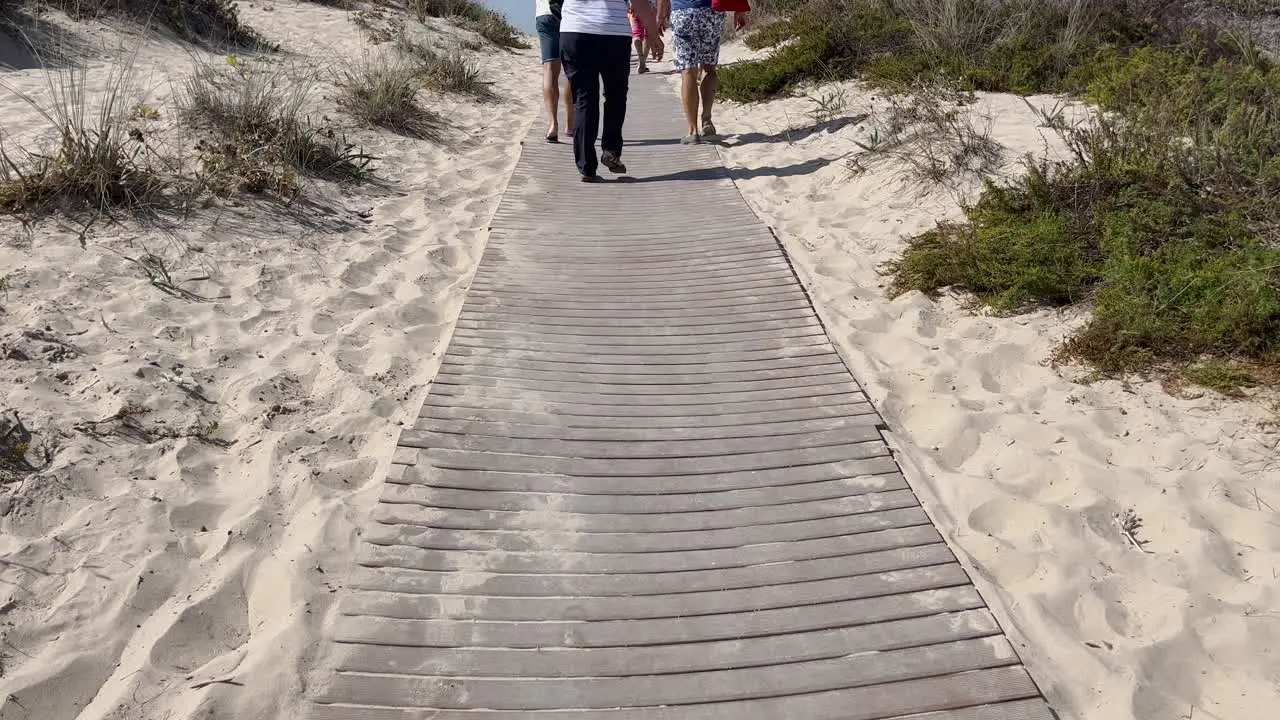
(547, 21)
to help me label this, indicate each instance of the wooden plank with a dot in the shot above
(400, 505)
(633, 318)
(550, 693)
(808, 411)
(643, 467)
(428, 537)
(661, 631)
(403, 551)
(519, 430)
(385, 593)
(620, 385)
(662, 659)
(427, 486)
(873, 702)
(453, 371)
(409, 580)
(636, 449)
(709, 485)
(689, 412)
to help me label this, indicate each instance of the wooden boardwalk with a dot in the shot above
(644, 486)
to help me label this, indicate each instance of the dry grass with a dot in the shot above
(933, 137)
(382, 89)
(449, 71)
(97, 161)
(473, 16)
(262, 137)
(215, 22)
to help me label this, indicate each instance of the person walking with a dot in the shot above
(638, 36)
(697, 29)
(595, 49)
(547, 22)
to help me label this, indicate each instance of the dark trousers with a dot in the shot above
(591, 61)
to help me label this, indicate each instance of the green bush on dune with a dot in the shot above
(1165, 219)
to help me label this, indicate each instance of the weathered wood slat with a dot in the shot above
(428, 537)
(661, 631)
(693, 657)
(412, 580)
(549, 693)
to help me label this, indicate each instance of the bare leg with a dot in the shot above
(689, 94)
(640, 53)
(568, 107)
(708, 89)
(551, 95)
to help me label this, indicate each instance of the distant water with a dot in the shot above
(518, 12)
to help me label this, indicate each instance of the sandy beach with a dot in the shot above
(146, 576)
(205, 449)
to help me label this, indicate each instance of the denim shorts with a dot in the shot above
(548, 36)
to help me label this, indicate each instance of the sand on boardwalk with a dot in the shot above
(133, 571)
(1024, 466)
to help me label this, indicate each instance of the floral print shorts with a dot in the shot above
(697, 33)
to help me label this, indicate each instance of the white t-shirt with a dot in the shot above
(595, 17)
(541, 7)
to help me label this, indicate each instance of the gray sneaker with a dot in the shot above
(708, 129)
(690, 140)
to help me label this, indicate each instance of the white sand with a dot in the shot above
(1023, 467)
(131, 571)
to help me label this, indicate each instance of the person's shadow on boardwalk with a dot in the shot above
(720, 172)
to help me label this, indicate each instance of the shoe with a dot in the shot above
(708, 129)
(553, 138)
(642, 70)
(690, 140)
(611, 161)
(592, 179)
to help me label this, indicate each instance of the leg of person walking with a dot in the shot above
(551, 98)
(615, 72)
(708, 92)
(689, 99)
(549, 40)
(642, 51)
(568, 106)
(581, 66)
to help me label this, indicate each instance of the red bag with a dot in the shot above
(731, 6)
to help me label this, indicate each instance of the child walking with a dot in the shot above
(639, 38)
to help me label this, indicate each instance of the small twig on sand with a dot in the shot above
(1130, 524)
(219, 681)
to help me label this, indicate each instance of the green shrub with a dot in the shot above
(1225, 377)
(1166, 218)
(1024, 47)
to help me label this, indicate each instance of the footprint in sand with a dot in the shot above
(216, 623)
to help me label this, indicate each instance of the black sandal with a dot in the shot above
(553, 138)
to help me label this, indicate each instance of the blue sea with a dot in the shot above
(518, 12)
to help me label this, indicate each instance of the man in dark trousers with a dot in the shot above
(595, 49)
